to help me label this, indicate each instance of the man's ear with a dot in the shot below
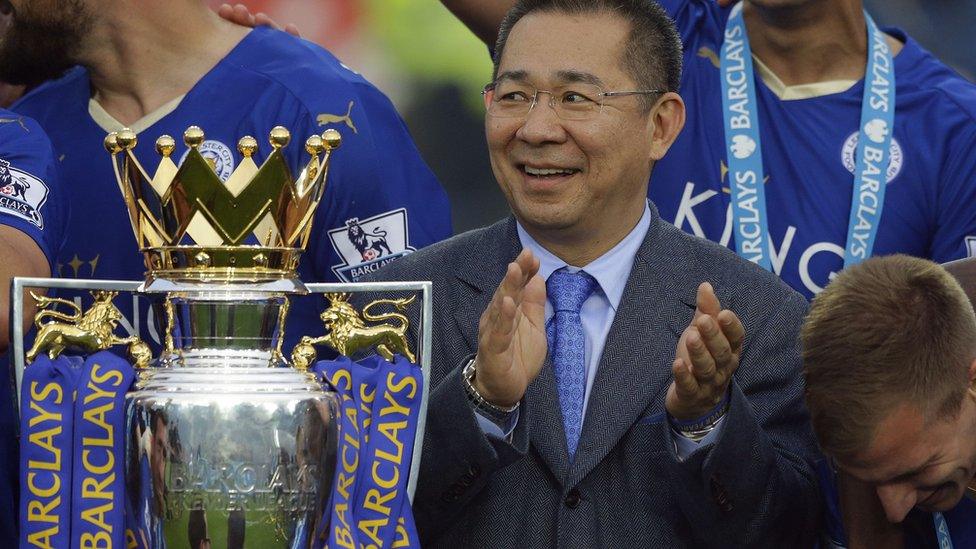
(668, 117)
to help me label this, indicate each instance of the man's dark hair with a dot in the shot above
(41, 43)
(652, 55)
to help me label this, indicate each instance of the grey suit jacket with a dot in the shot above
(626, 487)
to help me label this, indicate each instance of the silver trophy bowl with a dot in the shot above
(225, 448)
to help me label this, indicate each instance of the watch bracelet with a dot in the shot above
(491, 411)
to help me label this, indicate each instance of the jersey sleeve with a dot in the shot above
(31, 198)
(381, 201)
(955, 233)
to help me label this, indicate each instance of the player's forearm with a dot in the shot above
(483, 17)
(21, 257)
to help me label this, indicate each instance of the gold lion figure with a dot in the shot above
(90, 331)
(348, 333)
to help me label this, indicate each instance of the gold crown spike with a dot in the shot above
(192, 225)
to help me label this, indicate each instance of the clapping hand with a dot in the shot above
(706, 357)
(512, 334)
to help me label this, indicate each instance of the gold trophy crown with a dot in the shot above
(191, 225)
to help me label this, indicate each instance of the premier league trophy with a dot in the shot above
(220, 441)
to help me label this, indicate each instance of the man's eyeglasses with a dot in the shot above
(579, 101)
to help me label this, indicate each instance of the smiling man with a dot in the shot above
(889, 352)
(588, 388)
(796, 82)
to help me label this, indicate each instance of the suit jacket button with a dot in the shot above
(573, 499)
(450, 497)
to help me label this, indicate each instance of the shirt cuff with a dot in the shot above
(489, 427)
(686, 446)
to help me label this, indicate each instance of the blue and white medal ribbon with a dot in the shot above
(942, 531)
(744, 145)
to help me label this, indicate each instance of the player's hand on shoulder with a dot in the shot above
(241, 15)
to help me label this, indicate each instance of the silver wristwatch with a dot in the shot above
(497, 414)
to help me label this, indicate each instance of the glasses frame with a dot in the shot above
(488, 94)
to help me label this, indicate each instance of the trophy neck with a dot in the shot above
(224, 328)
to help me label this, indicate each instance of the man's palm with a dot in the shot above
(529, 343)
(512, 334)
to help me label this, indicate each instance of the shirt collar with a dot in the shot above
(611, 270)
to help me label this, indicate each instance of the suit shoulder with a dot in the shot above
(738, 279)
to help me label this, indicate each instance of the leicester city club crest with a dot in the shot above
(365, 245)
(21, 194)
(877, 131)
(218, 155)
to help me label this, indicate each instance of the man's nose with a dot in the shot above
(897, 500)
(541, 124)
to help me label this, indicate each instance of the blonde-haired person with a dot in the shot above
(889, 357)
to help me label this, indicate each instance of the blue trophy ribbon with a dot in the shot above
(380, 407)
(382, 493)
(46, 424)
(353, 383)
(98, 490)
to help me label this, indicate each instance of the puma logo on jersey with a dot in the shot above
(17, 120)
(326, 118)
(708, 53)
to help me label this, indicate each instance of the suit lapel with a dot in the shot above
(635, 368)
(480, 272)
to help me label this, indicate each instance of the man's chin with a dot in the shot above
(543, 217)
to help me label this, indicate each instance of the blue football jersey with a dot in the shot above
(31, 201)
(30, 197)
(809, 158)
(381, 199)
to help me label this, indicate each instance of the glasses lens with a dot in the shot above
(577, 101)
(509, 99)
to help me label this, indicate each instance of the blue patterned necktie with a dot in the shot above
(567, 291)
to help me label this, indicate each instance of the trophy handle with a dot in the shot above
(20, 287)
(424, 331)
(87, 331)
(348, 333)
